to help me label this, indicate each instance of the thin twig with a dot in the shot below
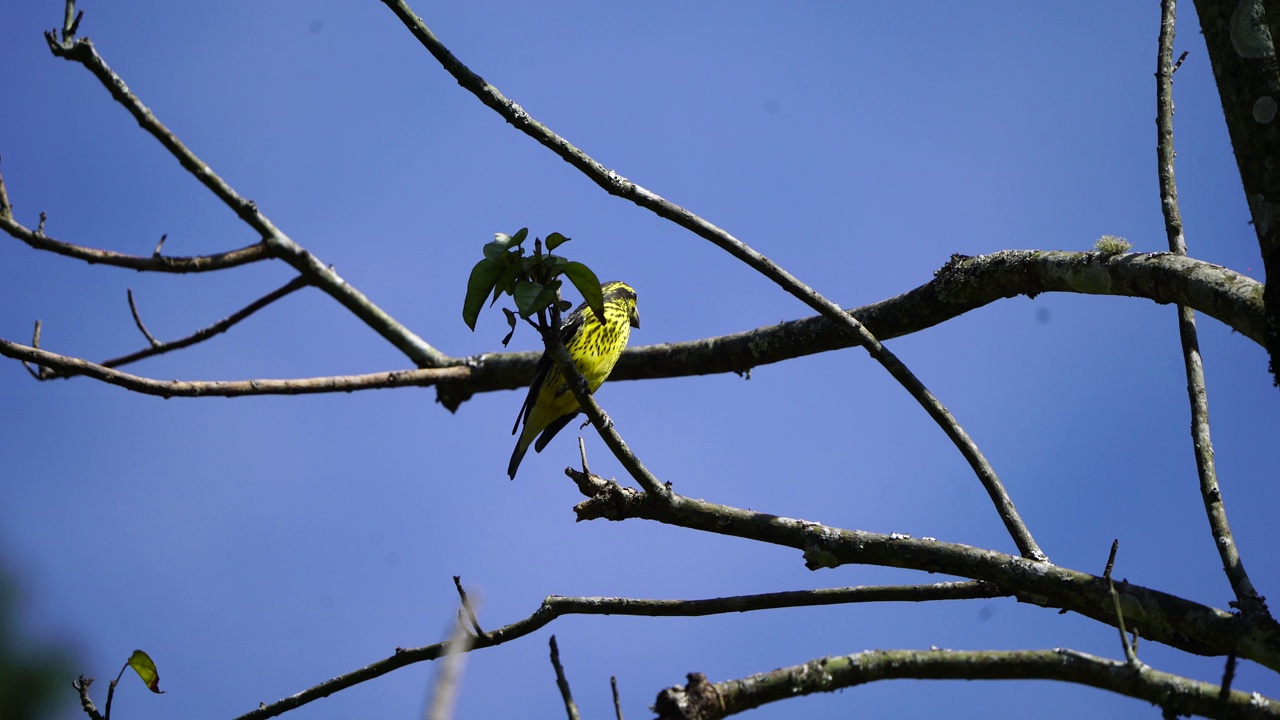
(1215, 508)
(615, 184)
(617, 701)
(466, 605)
(155, 263)
(1111, 559)
(1228, 676)
(35, 344)
(578, 385)
(111, 691)
(205, 333)
(137, 320)
(570, 707)
(278, 244)
(159, 245)
(70, 20)
(1130, 655)
(6, 210)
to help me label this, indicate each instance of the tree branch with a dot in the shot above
(154, 263)
(278, 244)
(570, 707)
(1243, 55)
(1175, 694)
(1250, 602)
(615, 184)
(233, 388)
(1162, 617)
(158, 347)
(962, 285)
(556, 606)
(578, 386)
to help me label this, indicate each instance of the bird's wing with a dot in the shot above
(568, 329)
(556, 426)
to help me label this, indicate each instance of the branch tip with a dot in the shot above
(466, 605)
(570, 707)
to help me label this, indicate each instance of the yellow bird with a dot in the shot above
(595, 348)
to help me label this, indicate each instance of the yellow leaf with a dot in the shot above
(141, 664)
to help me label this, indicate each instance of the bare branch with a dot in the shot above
(1175, 694)
(466, 605)
(1130, 653)
(615, 184)
(137, 320)
(556, 606)
(35, 343)
(153, 263)
(578, 385)
(617, 701)
(278, 244)
(1248, 598)
(81, 685)
(70, 20)
(234, 388)
(1242, 52)
(160, 348)
(1163, 617)
(967, 590)
(964, 284)
(1228, 676)
(6, 210)
(570, 707)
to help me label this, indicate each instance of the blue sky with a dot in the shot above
(257, 546)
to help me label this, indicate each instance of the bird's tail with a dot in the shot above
(522, 447)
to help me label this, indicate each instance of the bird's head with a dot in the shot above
(623, 293)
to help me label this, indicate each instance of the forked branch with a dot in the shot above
(278, 244)
(615, 184)
(1250, 602)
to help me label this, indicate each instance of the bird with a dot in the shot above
(595, 348)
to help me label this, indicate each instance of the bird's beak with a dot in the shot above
(635, 318)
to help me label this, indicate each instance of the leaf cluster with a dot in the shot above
(533, 280)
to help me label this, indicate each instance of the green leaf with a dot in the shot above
(505, 281)
(555, 240)
(503, 242)
(495, 249)
(511, 322)
(547, 296)
(526, 295)
(553, 265)
(483, 276)
(588, 284)
(141, 664)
